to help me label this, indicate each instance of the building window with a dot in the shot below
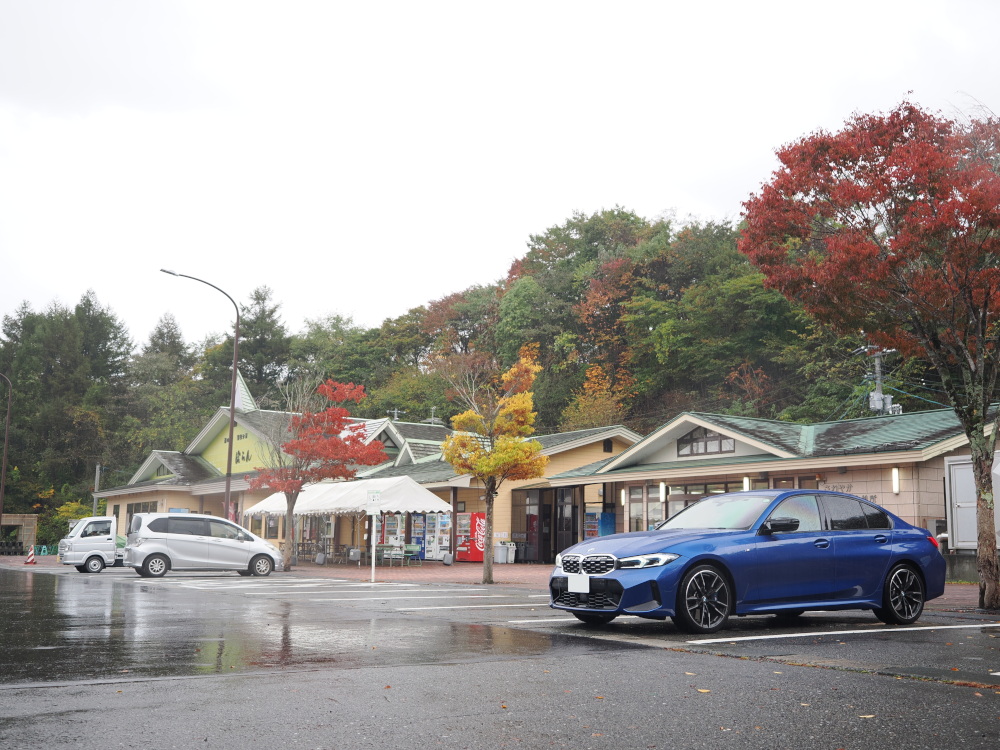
(132, 508)
(636, 520)
(609, 447)
(702, 442)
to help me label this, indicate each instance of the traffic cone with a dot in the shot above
(31, 556)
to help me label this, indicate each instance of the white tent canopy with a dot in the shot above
(337, 498)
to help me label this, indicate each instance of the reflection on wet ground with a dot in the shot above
(59, 628)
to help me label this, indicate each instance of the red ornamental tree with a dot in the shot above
(892, 227)
(321, 445)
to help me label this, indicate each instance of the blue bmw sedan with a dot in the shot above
(772, 552)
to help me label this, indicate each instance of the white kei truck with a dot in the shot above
(92, 544)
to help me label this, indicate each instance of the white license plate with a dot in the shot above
(578, 583)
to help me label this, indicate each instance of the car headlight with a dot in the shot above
(559, 560)
(647, 561)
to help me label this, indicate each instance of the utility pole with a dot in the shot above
(97, 486)
(878, 401)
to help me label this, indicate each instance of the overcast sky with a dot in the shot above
(364, 158)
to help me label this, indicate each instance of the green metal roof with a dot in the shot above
(874, 435)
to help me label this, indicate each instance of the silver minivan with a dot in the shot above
(158, 542)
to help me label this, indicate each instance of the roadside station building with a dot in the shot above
(599, 480)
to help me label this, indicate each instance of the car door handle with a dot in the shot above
(821, 543)
(881, 539)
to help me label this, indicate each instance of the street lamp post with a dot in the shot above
(232, 393)
(6, 438)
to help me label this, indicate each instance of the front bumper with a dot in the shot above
(650, 592)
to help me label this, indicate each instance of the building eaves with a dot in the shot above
(552, 442)
(429, 471)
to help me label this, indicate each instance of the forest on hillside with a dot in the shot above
(636, 320)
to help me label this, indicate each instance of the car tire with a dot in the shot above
(155, 566)
(704, 600)
(903, 597)
(94, 564)
(81, 568)
(588, 618)
(262, 565)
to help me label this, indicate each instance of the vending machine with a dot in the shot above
(470, 537)
(437, 536)
(418, 533)
(393, 530)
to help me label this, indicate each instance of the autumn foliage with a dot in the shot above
(322, 445)
(490, 440)
(891, 225)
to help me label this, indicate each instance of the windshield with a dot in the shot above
(91, 528)
(720, 512)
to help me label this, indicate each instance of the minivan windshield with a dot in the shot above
(720, 512)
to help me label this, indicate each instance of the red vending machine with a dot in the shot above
(470, 536)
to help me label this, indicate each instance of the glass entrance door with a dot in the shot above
(567, 521)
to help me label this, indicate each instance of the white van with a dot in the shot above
(158, 542)
(91, 545)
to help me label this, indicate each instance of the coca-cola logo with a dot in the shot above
(480, 534)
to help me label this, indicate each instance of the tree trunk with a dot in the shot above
(289, 546)
(986, 532)
(491, 494)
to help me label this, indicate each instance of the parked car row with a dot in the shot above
(160, 542)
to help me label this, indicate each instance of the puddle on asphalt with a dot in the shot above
(69, 628)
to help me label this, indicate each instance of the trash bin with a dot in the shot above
(511, 550)
(500, 554)
(354, 555)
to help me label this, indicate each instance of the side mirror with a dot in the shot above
(775, 525)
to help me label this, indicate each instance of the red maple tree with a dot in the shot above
(321, 445)
(892, 227)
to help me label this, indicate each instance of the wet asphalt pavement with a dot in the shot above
(321, 658)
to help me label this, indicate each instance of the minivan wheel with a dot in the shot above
(262, 565)
(94, 565)
(155, 566)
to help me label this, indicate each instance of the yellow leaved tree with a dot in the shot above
(490, 442)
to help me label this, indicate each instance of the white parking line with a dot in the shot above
(415, 596)
(468, 606)
(816, 633)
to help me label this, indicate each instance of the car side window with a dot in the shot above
(844, 513)
(101, 528)
(192, 526)
(877, 518)
(803, 508)
(224, 530)
(159, 525)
